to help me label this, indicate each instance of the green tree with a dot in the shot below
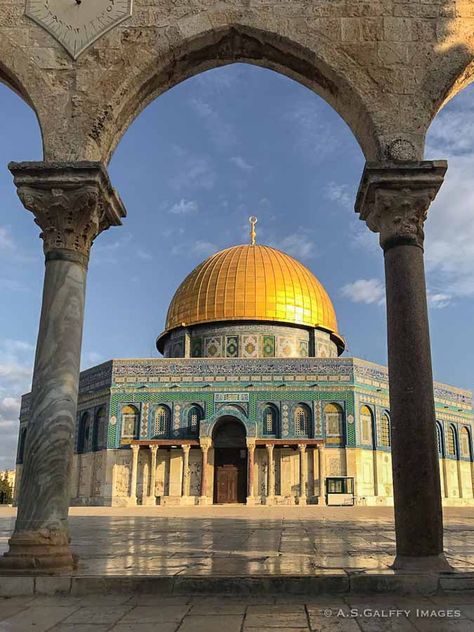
(6, 492)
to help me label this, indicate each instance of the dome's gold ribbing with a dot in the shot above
(251, 282)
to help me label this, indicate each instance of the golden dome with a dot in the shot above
(252, 282)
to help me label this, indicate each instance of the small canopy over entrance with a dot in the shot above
(230, 461)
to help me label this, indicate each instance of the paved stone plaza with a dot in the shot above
(151, 613)
(243, 541)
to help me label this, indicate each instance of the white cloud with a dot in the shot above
(240, 163)
(200, 248)
(6, 240)
(311, 135)
(439, 300)
(221, 132)
(144, 255)
(196, 172)
(91, 358)
(16, 364)
(297, 244)
(340, 194)
(184, 207)
(366, 291)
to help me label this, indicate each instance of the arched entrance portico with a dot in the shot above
(230, 461)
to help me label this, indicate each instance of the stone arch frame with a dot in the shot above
(371, 408)
(26, 79)
(451, 428)
(384, 412)
(86, 421)
(310, 417)
(22, 444)
(100, 416)
(276, 412)
(341, 404)
(185, 413)
(207, 426)
(440, 435)
(168, 410)
(323, 68)
(134, 406)
(465, 430)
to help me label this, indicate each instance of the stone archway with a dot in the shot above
(230, 461)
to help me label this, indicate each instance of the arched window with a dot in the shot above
(333, 418)
(130, 419)
(385, 431)
(21, 446)
(366, 425)
(194, 416)
(270, 420)
(439, 439)
(99, 429)
(162, 420)
(85, 434)
(301, 417)
(451, 441)
(465, 442)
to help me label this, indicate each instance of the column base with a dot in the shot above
(302, 500)
(321, 500)
(38, 551)
(251, 501)
(425, 564)
(269, 500)
(204, 500)
(149, 501)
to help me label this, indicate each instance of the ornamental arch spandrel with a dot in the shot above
(385, 66)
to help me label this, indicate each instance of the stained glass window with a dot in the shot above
(385, 431)
(451, 441)
(162, 419)
(465, 442)
(301, 418)
(270, 417)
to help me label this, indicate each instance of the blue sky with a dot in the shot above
(215, 149)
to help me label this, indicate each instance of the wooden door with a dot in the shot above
(227, 484)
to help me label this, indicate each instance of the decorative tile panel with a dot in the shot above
(250, 346)
(232, 346)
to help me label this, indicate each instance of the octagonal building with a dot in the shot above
(252, 402)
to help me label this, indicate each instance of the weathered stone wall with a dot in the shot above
(385, 65)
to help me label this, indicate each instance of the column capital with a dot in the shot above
(270, 446)
(186, 447)
(153, 447)
(135, 447)
(205, 443)
(302, 447)
(251, 443)
(394, 198)
(72, 203)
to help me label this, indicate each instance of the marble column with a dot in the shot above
(303, 474)
(205, 445)
(72, 203)
(322, 475)
(251, 472)
(270, 475)
(134, 477)
(151, 498)
(185, 477)
(394, 199)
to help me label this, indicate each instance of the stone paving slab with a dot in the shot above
(243, 541)
(230, 614)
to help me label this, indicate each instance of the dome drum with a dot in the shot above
(247, 340)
